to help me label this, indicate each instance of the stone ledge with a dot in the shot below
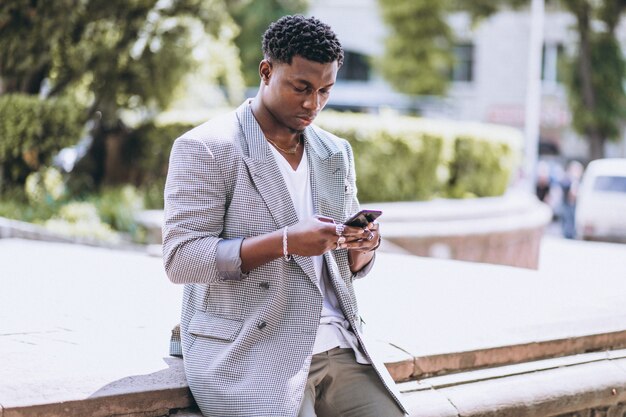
(543, 393)
(533, 389)
(16, 229)
(426, 366)
(500, 230)
(148, 395)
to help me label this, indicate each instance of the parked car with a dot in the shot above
(601, 201)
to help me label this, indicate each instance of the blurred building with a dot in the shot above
(489, 78)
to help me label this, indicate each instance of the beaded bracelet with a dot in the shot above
(286, 255)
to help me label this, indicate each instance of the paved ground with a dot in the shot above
(75, 319)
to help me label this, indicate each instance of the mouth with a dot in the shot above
(306, 119)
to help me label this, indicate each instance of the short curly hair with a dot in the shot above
(298, 35)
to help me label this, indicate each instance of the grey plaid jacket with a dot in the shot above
(247, 343)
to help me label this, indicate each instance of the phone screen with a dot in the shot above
(363, 217)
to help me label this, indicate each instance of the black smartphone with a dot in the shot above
(362, 218)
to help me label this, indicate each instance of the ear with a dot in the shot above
(265, 71)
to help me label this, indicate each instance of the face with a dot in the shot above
(295, 93)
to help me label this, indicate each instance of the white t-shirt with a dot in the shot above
(334, 329)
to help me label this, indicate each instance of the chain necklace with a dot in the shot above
(287, 151)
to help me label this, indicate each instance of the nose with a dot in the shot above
(312, 101)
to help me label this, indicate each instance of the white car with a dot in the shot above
(601, 201)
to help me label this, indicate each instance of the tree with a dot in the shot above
(596, 73)
(418, 50)
(252, 17)
(115, 57)
(418, 55)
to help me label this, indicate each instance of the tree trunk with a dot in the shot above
(594, 136)
(596, 145)
(116, 170)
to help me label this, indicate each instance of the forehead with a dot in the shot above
(302, 69)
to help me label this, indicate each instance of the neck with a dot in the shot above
(272, 129)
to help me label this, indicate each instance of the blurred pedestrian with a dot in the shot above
(569, 184)
(254, 205)
(543, 181)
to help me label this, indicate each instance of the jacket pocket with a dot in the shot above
(209, 325)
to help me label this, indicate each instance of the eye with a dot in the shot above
(300, 90)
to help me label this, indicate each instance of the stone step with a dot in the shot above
(571, 384)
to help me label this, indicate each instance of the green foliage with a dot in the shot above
(397, 158)
(117, 206)
(609, 101)
(480, 168)
(404, 159)
(114, 57)
(15, 205)
(45, 186)
(44, 200)
(148, 152)
(595, 75)
(32, 130)
(126, 57)
(418, 50)
(253, 17)
(393, 159)
(80, 219)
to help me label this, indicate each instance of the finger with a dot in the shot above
(373, 226)
(351, 239)
(353, 231)
(358, 245)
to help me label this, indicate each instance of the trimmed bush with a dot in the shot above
(483, 163)
(33, 130)
(148, 152)
(400, 158)
(395, 159)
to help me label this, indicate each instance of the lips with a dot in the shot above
(307, 119)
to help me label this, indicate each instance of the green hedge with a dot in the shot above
(400, 158)
(394, 160)
(33, 130)
(483, 163)
(148, 151)
(397, 158)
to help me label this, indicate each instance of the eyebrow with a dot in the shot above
(308, 84)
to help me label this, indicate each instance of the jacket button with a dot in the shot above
(264, 285)
(261, 325)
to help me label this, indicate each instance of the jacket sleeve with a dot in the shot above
(195, 201)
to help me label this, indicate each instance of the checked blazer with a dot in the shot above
(247, 343)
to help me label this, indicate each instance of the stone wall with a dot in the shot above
(505, 230)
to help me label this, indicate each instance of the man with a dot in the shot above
(254, 205)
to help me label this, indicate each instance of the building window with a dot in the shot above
(463, 67)
(355, 67)
(552, 63)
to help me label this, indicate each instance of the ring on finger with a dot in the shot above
(370, 236)
(341, 240)
(339, 229)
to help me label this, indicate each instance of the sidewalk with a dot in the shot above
(81, 323)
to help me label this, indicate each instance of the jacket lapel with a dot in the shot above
(327, 175)
(268, 179)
